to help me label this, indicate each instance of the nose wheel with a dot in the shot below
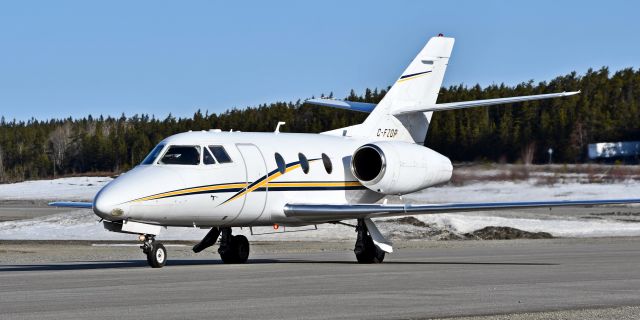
(155, 251)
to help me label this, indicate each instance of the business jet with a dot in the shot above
(224, 180)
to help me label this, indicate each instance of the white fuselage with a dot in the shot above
(249, 191)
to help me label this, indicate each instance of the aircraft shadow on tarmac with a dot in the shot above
(118, 264)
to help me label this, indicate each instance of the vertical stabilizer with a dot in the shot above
(418, 85)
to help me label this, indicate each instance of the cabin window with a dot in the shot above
(327, 163)
(149, 159)
(282, 166)
(304, 163)
(220, 153)
(207, 157)
(182, 155)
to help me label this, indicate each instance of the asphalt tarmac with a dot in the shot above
(26, 209)
(516, 279)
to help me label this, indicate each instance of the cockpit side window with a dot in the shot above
(149, 159)
(207, 158)
(182, 155)
(220, 153)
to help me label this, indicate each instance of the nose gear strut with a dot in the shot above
(155, 251)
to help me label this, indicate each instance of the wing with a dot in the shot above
(340, 104)
(337, 212)
(481, 103)
(368, 107)
(71, 204)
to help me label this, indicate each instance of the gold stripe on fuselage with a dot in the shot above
(262, 183)
(191, 190)
(316, 184)
(252, 188)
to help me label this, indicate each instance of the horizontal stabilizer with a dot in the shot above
(337, 212)
(71, 204)
(340, 104)
(481, 103)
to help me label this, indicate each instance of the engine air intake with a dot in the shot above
(395, 167)
(367, 163)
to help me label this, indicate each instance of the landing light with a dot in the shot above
(141, 237)
(117, 212)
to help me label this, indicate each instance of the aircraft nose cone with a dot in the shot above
(105, 205)
(101, 208)
(115, 201)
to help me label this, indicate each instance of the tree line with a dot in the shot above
(606, 110)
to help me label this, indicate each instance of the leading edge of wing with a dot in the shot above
(71, 204)
(353, 211)
(482, 103)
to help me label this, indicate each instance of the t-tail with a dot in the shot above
(418, 85)
(405, 111)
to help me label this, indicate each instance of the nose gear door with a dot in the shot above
(256, 178)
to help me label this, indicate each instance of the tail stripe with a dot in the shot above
(414, 74)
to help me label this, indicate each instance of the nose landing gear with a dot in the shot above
(155, 251)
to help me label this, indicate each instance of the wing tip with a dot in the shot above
(71, 204)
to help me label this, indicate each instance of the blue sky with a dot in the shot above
(74, 58)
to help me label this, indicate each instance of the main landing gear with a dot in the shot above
(366, 251)
(155, 251)
(233, 249)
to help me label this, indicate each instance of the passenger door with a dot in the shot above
(256, 172)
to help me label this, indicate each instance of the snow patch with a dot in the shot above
(82, 224)
(464, 223)
(502, 191)
(71, 189)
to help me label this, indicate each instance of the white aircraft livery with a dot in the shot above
(221, 180)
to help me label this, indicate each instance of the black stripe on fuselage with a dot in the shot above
(269, 188)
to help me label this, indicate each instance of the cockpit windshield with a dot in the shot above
(182, 155)
(153, 154)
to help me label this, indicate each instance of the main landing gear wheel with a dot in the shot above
(233, 249)
(366, 251)
(155, 251)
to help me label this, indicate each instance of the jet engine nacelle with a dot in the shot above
(399, 167)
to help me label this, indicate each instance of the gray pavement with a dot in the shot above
(26, 209)
(596, 278)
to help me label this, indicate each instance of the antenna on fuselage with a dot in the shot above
(278, 127)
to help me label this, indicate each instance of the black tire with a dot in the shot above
(242, 248)
(157, 256)
(367, 252)
(237, 252)
(372, 255)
